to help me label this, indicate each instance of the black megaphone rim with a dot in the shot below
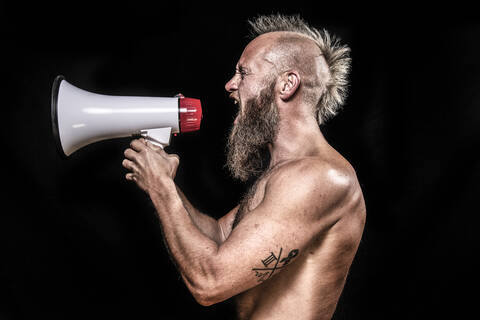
(54, 114)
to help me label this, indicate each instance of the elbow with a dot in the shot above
(205, 289)
(205, 297)
(208, 293)
(205, 300)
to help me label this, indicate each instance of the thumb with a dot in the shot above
(174, 159)
(175, 156)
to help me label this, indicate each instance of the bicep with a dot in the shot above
(260, 247)
(263, 244)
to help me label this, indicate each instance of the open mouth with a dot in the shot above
(236, 100)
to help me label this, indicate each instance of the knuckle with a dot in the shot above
(135, 143)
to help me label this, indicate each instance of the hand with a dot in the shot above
(150, 166)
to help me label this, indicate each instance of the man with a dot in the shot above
(284, 252)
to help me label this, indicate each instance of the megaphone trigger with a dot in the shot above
(159, 137)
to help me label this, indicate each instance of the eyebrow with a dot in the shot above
(241, 68)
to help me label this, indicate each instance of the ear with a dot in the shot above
(289, 83)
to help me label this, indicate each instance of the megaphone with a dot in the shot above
(81, 117)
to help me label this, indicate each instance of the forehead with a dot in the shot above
(270, 49)
(255, 54)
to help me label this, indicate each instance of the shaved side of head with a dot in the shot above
(294, 51)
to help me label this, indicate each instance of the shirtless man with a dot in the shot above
(284, 252)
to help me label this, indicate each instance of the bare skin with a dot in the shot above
(285, 251)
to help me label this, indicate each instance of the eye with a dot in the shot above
(242, 72)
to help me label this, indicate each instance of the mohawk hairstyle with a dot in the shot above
(337, 57)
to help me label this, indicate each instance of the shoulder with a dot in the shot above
(313, 181)
(314, 174)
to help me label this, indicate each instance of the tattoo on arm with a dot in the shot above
(271, 264)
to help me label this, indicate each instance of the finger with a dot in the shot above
(130, 176)
(138, 145)
(130, 154)
(130, 165)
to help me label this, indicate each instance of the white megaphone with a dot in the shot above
(80, 117)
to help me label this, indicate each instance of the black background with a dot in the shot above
(77, 241)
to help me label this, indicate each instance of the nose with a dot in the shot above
(232, 84)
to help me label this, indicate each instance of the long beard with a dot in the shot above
(250, 136)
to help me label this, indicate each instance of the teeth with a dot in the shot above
(236, 102)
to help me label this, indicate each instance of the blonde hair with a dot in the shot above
(329, 97)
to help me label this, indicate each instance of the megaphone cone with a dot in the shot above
(80, 117)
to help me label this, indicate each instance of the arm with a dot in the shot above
(298, 206)
(217, 230)
(209, 226)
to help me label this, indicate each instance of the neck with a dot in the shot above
(298, 137)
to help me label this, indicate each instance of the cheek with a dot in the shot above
(244, 94)
(250, 87)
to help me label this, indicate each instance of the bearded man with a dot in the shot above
(284, 252)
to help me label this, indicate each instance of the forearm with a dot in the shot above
(190, 248)
(193, 252)
(206, 224)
